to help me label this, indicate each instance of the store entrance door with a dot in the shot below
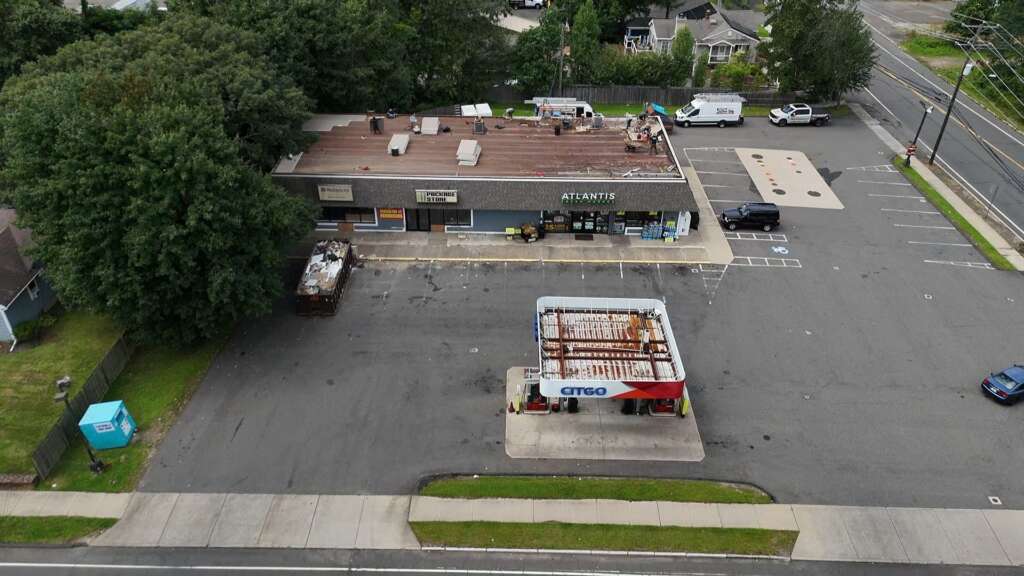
(420, 219)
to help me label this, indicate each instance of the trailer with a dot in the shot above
(323, 280)
(596, 349)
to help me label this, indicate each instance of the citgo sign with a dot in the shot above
(569, 391)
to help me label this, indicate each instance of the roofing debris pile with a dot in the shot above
(324, 268)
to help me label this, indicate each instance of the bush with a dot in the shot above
(31, 330)
(737, 74)
(701, 73)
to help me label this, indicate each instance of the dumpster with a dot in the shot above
(107, 425)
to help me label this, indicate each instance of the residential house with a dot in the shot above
(24, 293)
(717, 33)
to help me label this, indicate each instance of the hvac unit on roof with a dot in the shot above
(468, 153)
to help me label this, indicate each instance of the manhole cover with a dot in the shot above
(814, 193)
(778, 191)
(757, 156)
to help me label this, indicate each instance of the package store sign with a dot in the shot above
(594, 198)
(437, 196)
(391, 213)
(335, 192)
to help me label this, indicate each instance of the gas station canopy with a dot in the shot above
(607, 348)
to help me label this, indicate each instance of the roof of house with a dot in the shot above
(15, 272)
(733, 20)
(664, 28)
(691, 4)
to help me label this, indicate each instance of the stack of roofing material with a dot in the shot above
(321, 285)
(431, 126)
(399, 143)
(471, 110)
(468, 153)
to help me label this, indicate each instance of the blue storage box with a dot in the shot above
(107, 425)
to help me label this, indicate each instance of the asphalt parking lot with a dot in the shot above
(842, 369)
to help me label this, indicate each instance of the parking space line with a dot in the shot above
(725, 201)
(744, 174)
(715, 185)
(886, 183)
(692, 160)
(875, 168)
(939, 244)
(756, 236)
(912, 211)
(928, 227)
(918, 198)
(761, 262)
(978, 265)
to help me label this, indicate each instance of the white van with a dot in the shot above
(718, 109)
(546, 106)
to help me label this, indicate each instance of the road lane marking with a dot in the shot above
(928, 227)
(939, 244)
(872, 94)
(931, 212)
(886, 183)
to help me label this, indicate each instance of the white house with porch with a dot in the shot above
(717, 36)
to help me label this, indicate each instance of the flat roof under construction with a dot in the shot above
(600, 342)
(522, 149)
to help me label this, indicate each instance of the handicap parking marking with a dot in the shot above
(756, 236)
(765, 262)
(928, 212)
(963, 264)
(884, 183)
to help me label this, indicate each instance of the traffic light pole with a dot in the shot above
(952, 101)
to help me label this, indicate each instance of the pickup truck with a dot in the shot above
(516, 4)
(798, 114)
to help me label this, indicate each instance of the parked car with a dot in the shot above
(538, 4)
(763, 215)
(799, 114)
(713, 110)
(1006, 386)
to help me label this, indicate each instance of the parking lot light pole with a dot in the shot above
(913, 145)
(63, 384)
(968, 66)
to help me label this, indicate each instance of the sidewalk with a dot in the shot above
(979, 223)
(828, 533)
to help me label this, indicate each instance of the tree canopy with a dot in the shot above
(136, 160)
(585, 42)
(821, 46)
(33, 28)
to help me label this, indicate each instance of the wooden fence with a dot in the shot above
(48, 453)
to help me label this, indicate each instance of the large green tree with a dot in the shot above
(970, 12)
(585, 43)
(33, 28)
(535, 57)
(821, 46)
(682, 56)
(135, 160)
(344, 54)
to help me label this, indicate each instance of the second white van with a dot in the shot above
(712, 109)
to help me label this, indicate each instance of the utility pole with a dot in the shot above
(952, 101)
(913, 145)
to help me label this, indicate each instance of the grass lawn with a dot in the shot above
(49, 529)
(73, 346)
(552, 535)
(955, 217)
(930, 47)
(155, 384)
(573, 488)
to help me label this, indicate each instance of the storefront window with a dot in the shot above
(458, 218)
(348, 214)
(640, 219)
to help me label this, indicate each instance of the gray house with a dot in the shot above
(717, 33)
(24, 293)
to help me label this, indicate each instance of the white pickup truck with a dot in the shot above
(798, 114)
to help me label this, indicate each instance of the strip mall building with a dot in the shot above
(578, 181)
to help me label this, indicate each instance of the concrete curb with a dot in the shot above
(965, 210)
(530, 260)
(628, 553)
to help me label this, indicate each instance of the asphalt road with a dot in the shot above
(896, 102)
(207, 562)
(850, 380)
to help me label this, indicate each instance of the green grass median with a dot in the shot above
(961, 223)
(556, 536)
(573, 488)
(49, 529)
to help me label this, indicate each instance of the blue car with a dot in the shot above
(1006, 386)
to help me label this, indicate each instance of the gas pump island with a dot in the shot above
(602, 363)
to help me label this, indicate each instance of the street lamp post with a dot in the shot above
(913, 145)
(63, 384)
(968, 66)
